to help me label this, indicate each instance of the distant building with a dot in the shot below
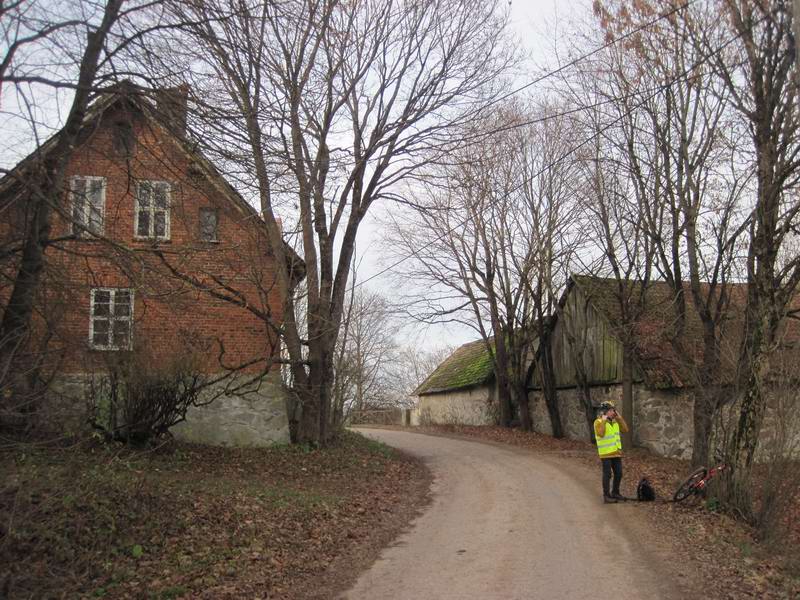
(462, 390)
(588, 366)
(586, 334)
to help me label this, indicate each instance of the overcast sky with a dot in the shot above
(541, 27)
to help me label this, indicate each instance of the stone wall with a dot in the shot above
(254, 416)
(662, 421)
(780, 430)
(249, 418)
(474, 406)
(573, 417)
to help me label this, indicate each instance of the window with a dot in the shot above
(209, 224)
(151, 219)
(88, 205)
(111, 319)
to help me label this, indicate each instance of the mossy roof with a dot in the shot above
(470, 365)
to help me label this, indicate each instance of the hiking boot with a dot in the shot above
(618, 496)
(609, 500)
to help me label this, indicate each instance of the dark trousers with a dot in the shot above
(611, 464)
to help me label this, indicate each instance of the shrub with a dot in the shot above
(138, 400)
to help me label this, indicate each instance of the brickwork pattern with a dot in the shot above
(172, 317)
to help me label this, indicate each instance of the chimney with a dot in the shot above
(172, 104)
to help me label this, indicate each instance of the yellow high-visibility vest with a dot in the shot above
(611, 442)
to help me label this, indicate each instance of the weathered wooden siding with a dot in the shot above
(602, 354)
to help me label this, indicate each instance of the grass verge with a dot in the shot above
(194, 521)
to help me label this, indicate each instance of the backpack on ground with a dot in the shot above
(645, 492)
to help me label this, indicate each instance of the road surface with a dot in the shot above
(510, 524)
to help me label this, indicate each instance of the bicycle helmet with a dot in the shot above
(606, 405)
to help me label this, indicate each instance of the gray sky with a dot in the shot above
(541, 27)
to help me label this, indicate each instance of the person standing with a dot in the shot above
(608, 427)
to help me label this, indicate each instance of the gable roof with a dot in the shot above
(659, 361)
(469, 366)
(136, 97)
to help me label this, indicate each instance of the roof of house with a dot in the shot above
(470, 365)
(138, 98)
(661, 363)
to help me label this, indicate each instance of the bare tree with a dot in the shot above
(493, 239)
(322, 107)
(39, 181)
(412, 365)
(612, 217)
(762, 82)
(365, 349)
(679, 149)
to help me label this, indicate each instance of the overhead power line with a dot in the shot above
(659, 89)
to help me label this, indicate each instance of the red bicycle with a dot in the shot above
(697, 482)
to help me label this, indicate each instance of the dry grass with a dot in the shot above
(193, 521)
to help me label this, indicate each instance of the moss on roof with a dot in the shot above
(468, 366)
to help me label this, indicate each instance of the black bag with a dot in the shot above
(645, 491)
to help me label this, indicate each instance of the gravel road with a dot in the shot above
(509, 524)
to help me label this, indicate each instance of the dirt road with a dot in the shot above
(509, 524)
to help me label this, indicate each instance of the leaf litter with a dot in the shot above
(190, 521)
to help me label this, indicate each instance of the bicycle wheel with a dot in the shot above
(687, 487)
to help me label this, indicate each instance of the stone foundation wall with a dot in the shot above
(474, 406)
(780, 431)
(663, 419)
(573, 417)
(255, 416)
(663, 422)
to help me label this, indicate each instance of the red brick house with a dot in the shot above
(157, 257)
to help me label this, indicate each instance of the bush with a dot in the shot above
(137, 400)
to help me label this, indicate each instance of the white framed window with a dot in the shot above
(151, 212)
(111, 319)
(88, 197)
(209, 225)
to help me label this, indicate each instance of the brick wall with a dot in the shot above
(171, 318)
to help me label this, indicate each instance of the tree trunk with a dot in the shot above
(585, 395)
(707, 401)
(503, 400)
(308, 422)
(702, 418)
(501, 375)
(46, 194)
(521, 392)
(744, 442)
(627, 394)
(549, 387)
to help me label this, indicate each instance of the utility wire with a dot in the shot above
(612, 42)
(658, 90)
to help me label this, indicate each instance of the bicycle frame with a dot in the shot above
(712, 472)
(697, 482)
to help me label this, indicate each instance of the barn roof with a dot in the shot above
(470, 365)
(661, 363)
